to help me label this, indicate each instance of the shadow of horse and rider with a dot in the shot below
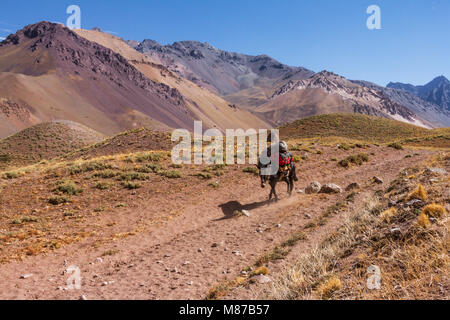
(286, 172)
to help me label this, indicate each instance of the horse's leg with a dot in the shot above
(271, 189)
(291, 186)
(273, 184)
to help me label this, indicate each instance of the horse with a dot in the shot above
(286, 174)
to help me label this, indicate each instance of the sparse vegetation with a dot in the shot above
(396, 146)
(68, 187)
(357, 159)
(56, 200)
(253, 170)
(130, 185)
(419, 193)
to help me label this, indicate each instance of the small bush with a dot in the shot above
(344, 146)
(253, 170)
(105, 174)
(25, 219)
(357, 159)
(11, 175)
(396, 146)
(130, 185)
(203, 175)
(131, 176)
(5, 158)
(214, 185)
(59, 200)
(297, 158)
(68, 187)
(172, 174)
(102, 186)
(420, 194)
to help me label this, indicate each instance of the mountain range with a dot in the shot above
(258, 82)
(48, 72)
(436, 91)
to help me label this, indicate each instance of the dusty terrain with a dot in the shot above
(174, 236)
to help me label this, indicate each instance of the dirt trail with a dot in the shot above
(185, 256)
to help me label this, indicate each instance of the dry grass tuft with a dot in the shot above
(420, 194)
(326, 289)
(434, 210)
(386, 215)
(423, 220)
(258, 271)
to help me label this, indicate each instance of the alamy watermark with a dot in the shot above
(74, 20)
(231, 149)
(374, 20)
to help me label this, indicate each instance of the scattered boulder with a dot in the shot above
(377, 180)
(330, 188)
(83, 297)
(314, 187)
(26, 276)
(352, 186)
(262, 279)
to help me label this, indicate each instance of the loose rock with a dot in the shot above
(314, 187)
(331, 188)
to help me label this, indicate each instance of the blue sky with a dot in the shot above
(412, 46)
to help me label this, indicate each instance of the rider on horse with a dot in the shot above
(286, 159)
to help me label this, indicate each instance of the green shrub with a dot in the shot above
(357, 159)
(59, 200)
(25, 219)
(396, 146)
(203, 175)
(131, 185)
(214, 185)
(131, 176)
(102, 186)
(68, 187)
(253, 170)
(171, 174)
(105, 174)
(11, 175)
(5, 158)
(344, 146)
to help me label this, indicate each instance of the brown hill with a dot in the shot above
(49, 72)
(135, 140)
(45, 141)
(357, 127)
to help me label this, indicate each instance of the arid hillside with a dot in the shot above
(365, 129)
(45, 141)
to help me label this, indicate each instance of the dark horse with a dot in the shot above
(286, 174)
